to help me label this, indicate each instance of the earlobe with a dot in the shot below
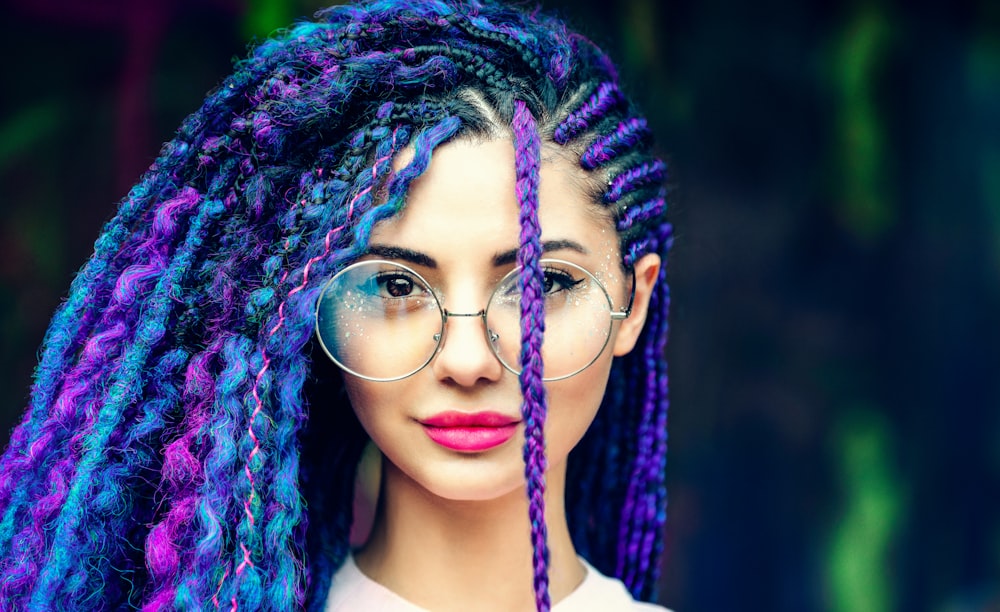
(646, 270)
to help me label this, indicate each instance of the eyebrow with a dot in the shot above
(507, 258)
(504, 258)
(407, 255)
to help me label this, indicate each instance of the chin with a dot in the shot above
(467, 479)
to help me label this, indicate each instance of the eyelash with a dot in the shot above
(554, 281)
(562, 277)
(382, 280)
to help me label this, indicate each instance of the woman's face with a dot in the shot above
(461, 216)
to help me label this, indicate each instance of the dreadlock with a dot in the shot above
(183, 448)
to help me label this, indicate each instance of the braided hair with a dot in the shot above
(184, 445)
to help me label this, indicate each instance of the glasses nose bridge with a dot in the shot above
(481, 315)
(448, 314)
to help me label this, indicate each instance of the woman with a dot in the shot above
(456, 204)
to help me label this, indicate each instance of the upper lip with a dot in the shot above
(454, 418)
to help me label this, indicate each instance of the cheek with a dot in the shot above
(573, 404)
(365, 397)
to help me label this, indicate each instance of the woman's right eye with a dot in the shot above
(396, 285)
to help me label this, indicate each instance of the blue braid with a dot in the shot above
(121, 391)
(214, 504)
(423, 146)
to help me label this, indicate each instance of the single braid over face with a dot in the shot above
(184, 446)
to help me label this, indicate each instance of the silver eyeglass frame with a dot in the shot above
(490, 336)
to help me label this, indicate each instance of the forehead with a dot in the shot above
(468, 197)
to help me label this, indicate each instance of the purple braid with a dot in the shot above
(72, 322)
(527, 148)
(606, 99)
(646, 174)
(640, 503)
(77, 387)
(182, 471)
(626, 445)
(122, 390)
(645, 503)
(652, 208)
(605, 149)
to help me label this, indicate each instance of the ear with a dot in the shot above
(646, 271)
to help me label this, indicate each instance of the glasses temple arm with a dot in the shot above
(624, 314)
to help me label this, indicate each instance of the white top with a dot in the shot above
(353, 591)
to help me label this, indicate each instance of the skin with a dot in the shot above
(451, 531)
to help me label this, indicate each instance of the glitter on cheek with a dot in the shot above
(609, 269)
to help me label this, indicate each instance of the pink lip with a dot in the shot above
(470, 432)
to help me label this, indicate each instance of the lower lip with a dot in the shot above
(470, 439)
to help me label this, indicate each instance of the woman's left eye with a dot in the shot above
(559, 280)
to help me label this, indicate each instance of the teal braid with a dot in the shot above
(70, 323)
(122, 389)
(51, 435)
(117, 506)
(66, 330)
(286, 331)
(70, 408)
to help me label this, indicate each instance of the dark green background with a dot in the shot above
(835, 353)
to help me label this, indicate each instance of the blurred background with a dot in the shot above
(835, 351)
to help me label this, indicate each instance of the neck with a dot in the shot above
(446, 555)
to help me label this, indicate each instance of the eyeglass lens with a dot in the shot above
(383, 321)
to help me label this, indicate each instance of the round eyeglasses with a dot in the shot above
(382, 321)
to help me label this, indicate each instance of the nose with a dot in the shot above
(464, 355)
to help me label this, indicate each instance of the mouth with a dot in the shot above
(470, 432)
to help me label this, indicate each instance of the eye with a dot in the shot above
(396, 284)
(556, 280)
(560, 282)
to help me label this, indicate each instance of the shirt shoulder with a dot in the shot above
(352, 590)
(599, 593)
